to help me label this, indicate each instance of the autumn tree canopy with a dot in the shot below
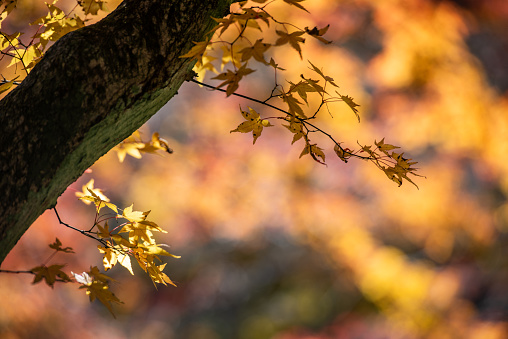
(91, 90)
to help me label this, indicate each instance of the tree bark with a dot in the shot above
(93, 88)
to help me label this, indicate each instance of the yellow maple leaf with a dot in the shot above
(253, 124)
(112, 256)
(158, 276)
(197, 50)
(156, 144)
(232, 79)
(384, 147)
(134, 216)
(130, 148)
(89, 186)
(91, 194)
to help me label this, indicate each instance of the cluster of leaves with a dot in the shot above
(95, 283)
(51, 27)
(240, 38)
(131, 239)
(138, 242)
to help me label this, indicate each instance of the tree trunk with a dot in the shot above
(92, 89)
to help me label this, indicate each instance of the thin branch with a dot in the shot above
(85, 233)
(239, 95)
(15, 272)
(304, 121)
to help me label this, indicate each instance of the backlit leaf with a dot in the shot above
(256, 51)
(294, 39)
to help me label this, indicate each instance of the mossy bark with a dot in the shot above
(92, 89)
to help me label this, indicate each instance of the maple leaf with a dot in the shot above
(130, 148)
(134, 216)
(99, 203)
(318, 33)
(156, 144)
(296, 4)
(253, 124)
(50, 274)
(96, 285)
(294, 106)
(197, 51)
(302, 88)
(343, 154)
(158, 276)
(140, 233)
(314, 152)
(223, 23)
(103, 231)
(57, 246)
(89, 186)
(384, 147)
(294, 39)
(232, 79)
(296, 128)
(113, 256)
(256, 51)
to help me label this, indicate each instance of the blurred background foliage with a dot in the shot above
(274, 246)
